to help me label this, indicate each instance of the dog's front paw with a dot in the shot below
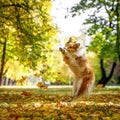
(62, 50)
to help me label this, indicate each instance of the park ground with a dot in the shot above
(26, 103)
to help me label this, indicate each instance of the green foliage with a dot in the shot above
(103, 48)
(104, 23)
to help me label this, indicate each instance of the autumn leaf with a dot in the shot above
(25, 93)
(41, 85)
(100, 86)
(52, 104)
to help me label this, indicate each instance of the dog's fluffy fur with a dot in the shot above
(78, 63)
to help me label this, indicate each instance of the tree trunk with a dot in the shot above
(110, 75)
(9, 80)
(3, 61)
(105, 79)
(4, 83)
(103, 72)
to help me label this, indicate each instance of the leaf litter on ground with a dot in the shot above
(52, 104)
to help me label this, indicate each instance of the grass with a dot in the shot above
(38, 91)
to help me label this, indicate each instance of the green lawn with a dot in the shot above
(52, 104)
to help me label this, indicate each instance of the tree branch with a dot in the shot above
(112, 70)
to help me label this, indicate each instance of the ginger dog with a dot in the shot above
(78, 63)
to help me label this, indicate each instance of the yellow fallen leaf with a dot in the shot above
(99, 86)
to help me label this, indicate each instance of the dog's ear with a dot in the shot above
(78, 45)
(70, 40)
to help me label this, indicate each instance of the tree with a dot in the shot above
(26, 30)
(105, 26)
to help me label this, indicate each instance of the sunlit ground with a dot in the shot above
(51, 86)
(26, 103)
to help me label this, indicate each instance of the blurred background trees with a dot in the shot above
(29, 46)
(104, 21)
(27, 36)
